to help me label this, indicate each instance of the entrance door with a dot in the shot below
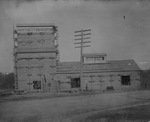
(75, 83)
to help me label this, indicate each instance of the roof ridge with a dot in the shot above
(70, 62)
(122, 60)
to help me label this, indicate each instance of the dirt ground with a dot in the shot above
(81, 108)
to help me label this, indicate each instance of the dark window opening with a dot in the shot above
(125, 80)
(75, 82)
(37, 84)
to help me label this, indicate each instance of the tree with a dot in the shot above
(2, 79)
(7, 81)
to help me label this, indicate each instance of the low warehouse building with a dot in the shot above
(99, 74)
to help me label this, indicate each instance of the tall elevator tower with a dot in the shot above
(36, 57)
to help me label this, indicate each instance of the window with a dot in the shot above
(75, 82)
(36, 84)
(86, 58)
(125, 80)
(102, 58)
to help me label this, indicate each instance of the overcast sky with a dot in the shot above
(119, 28)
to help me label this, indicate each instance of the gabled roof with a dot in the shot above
(113, 65)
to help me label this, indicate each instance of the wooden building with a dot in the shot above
(37, 66)
(99, 74)
(35, 56)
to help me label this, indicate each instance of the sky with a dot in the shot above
(120, 28)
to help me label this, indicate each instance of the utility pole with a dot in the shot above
(82, 36)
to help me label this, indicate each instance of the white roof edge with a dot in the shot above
(35, 24)
(95, 54)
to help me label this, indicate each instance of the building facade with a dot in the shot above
(36, 56)
(99, 74)
(37, 66)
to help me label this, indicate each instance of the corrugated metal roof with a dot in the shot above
(113, 65)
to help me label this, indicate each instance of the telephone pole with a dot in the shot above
(81, 36)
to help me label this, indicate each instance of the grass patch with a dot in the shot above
(135, 114)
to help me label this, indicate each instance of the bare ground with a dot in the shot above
(92, 108)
